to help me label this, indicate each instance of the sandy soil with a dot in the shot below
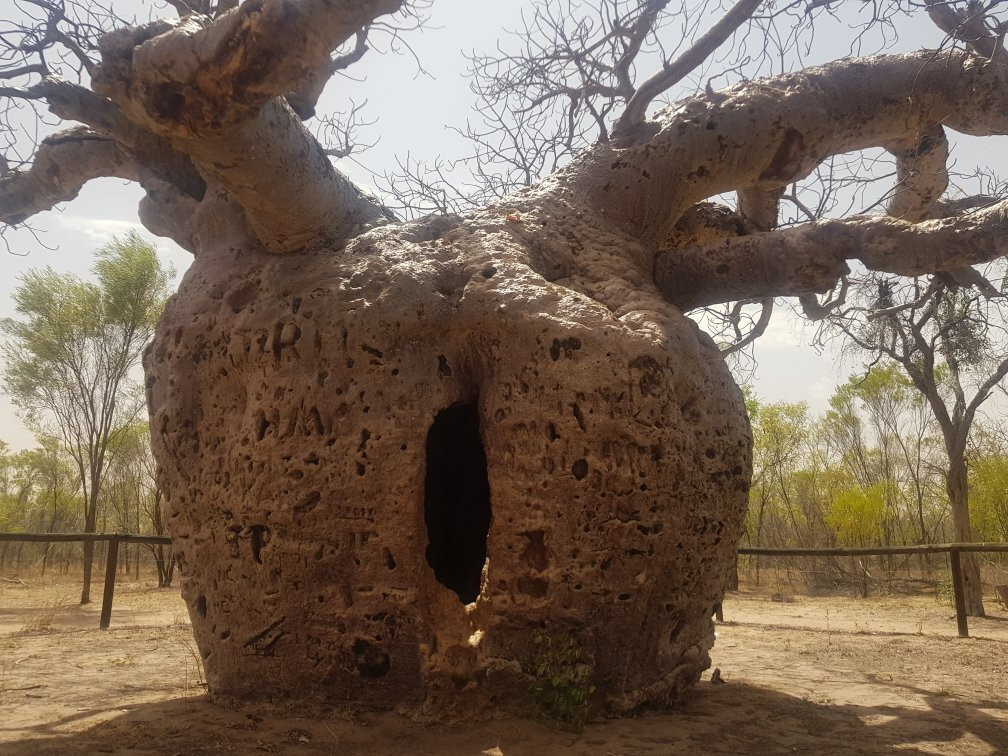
(802, 675)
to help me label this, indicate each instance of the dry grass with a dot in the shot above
(42, 620)
(829, 675)
(193, 675)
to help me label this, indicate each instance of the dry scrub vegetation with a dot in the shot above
(817, 675)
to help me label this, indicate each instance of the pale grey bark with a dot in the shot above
(813, 257)
(199, 101)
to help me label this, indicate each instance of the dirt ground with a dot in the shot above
(802, 675)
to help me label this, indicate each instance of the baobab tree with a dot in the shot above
(396, 452)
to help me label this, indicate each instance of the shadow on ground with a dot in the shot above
(731, 718)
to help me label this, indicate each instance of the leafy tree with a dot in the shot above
(857, 515)
(70, 353)
(989, 496)
(135, 498)
(951, 342)
(882, 432)
(780, 433)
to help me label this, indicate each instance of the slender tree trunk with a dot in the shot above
(49, 527)
(170, 571)
(957, 486)
(89, 527)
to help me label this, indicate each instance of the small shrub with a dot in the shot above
(41, 622)
(561, 683)
(945, 593)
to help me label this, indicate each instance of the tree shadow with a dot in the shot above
(730, 718)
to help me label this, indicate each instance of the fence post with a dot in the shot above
(111, 563)
(957, 590)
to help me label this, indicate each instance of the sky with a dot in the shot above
(413, 113)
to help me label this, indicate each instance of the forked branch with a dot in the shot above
(767, 134)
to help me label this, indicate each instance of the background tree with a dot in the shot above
(134, 501)
(39, 492)
(950, 339)
(70, 353)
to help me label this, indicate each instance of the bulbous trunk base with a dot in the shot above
(416, 474)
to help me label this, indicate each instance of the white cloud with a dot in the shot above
(820, 391)
(98, 231)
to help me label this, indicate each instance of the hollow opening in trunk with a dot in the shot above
(457, 500)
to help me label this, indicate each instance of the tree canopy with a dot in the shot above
(71, 350)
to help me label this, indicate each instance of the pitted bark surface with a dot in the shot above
(292, 400)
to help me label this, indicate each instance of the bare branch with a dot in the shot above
(340, 130)
(757, 330)
(966, 26)
(813, 257)
(769, 133)
(63, 163)
(673, 73)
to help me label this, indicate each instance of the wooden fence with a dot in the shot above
(111, 558)
(952, 549)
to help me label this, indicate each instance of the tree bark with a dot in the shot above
(90, 520)
(957, 487)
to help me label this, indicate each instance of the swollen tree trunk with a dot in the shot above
(437, 459)
(957, 487)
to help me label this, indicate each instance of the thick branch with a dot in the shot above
(304, 100)
(211, 73)
(154, 156)
(768, 133)
(63, 163)
(813, 257)
(213, 90)
(921, 176)
(269, 160)
(760, 207)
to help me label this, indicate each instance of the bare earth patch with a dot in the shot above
(802, 675)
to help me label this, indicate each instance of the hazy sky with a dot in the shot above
(413, 113)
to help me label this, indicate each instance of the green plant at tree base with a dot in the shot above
(561, 683)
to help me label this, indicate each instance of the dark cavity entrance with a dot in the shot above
(457, 500)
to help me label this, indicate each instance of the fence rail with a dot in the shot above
(111, 557)
(952, 549)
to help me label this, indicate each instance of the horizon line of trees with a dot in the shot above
(869, 471)
(41, 493)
